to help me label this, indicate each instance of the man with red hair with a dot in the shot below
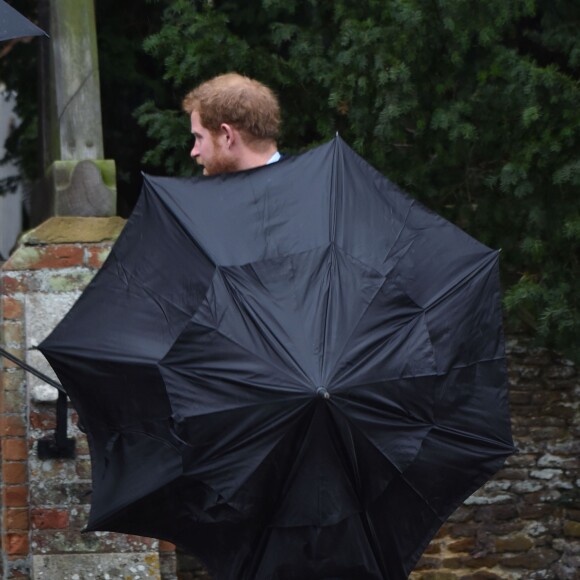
(235, 121)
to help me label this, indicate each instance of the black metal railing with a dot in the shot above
(60, 446)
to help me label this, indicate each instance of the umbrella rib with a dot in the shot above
(239, 300)
(332, 273)
(371, 352)
(416, 376)
(131, 278)
(462, 282)
(371, 301)
(401, 474)
(394, 244)
(492, 443)
(254, 354)
(374, 543)
(333, 192)
(354, 327)
(185, 214)
(189, 374)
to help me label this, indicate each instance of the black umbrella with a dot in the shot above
(294, 372)
(14, 25)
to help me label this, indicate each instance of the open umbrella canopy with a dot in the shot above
(294, 372)
(14, 25)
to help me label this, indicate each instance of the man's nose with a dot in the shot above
(194, 152)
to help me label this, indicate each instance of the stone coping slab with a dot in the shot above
(74, 230)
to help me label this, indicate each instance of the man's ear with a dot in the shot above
(229, 133)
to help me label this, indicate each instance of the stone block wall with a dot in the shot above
(524, 524)
(45, 503)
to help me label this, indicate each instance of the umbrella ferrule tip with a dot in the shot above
(322, 393)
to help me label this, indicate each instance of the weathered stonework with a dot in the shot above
(82, 188)
(45, 503)
(95, 567)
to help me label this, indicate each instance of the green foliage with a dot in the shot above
(470, 106)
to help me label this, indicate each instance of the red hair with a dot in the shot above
(244, 103)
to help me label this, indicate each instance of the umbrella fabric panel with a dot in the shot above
(405, 520)
(246, 217)
(107, 355)
(405, 524)
(127, 394)
(347, 550)
(361, 195)
(251, 549)
(465, 322)
(235, 356)
(140, 313)
(390, 225)
(14, 25)
(437, 256)
(133, 448)
(157, 254)
(295, 314)
(130, 467)
(390, 340)
(473, 401)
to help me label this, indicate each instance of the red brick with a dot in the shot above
(13, 284)
(16, 519)
(17, 544)
(12, 426)
(464, 545)
(44, 421)
(15, 496)
(64, 256)
(49, 519)
(11, 308)
(13, 473)
(14, 450)
(165, 546)
(97, 255)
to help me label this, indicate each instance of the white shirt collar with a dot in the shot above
(274, 158)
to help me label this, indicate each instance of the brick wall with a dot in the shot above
(524, 524)
(45, 503)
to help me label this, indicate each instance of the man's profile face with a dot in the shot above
(210, 150)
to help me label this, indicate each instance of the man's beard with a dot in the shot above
(220, 163)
